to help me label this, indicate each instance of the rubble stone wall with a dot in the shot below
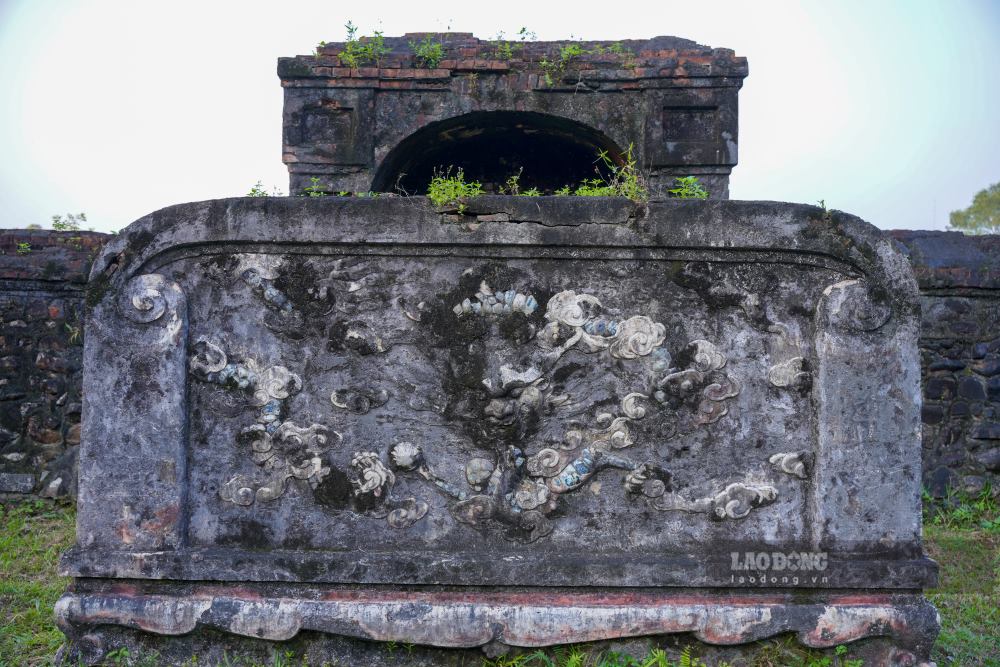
(42, 291)
(43, 275)
(959, 279)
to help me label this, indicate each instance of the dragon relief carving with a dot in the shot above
(520, 491)
(516, 490)
(281, 448)
(284, 450)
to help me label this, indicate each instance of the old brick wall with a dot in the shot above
(959, 279)
(42, 278)
(41, 308)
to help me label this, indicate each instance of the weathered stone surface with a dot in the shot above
(16, 482)
(332, 393)
(990, 458)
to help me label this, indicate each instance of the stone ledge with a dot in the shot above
(513, 568)
(473, 618)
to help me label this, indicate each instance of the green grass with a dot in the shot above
(776, 653)
(967, 596)
(960, 534)
(32, 535)
(962, 510)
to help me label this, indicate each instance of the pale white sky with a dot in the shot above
(117, 108)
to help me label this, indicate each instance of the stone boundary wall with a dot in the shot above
(959, 279)
(43, 276)
(42, 292)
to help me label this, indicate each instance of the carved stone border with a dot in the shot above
(525, 619)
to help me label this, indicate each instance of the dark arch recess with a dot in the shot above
(490, 146)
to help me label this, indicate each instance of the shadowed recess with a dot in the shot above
(491, 146)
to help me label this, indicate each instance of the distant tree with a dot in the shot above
(983, 216)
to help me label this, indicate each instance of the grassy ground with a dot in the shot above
(32, 535)
(962, 534)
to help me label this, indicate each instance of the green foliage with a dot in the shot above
(960, 510)
(531, 192)
(623, 52)
(363, 50)
(314, 189)
(982, 216)
(512, 185)
(688, 187)
(122, 657)
(23, 248)
(318, 50)
(594, 187)
(624, 180)
(448, 190)
(32, 535)
(506, 50)
(74, 333)
(428, 51)
(564, 191)
(554, 69)
(969, 636)
(258, 191)
(71, 223)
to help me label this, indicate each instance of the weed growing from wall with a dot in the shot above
(688, 187)
(314, 189)
(363, 50)
(512, 185)
(445, 189)
(554, 68)
(507, 50)
(70, 223)
(429, 52)
(258, 191)
(624, 180)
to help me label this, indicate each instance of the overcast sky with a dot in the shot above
(888, 110)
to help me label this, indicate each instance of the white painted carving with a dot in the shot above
(792, 463)
(490, 302)
(373, 477)
(790, 373)
(736, 501)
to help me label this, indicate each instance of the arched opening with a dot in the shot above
(549, 152)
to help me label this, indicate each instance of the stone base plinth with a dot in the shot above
(441, 626)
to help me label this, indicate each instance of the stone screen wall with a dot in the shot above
(296, 410)
(42, 294)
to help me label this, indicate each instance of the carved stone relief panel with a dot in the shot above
(346, 401)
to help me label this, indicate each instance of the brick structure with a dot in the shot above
(386, 127)
(43, 275)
